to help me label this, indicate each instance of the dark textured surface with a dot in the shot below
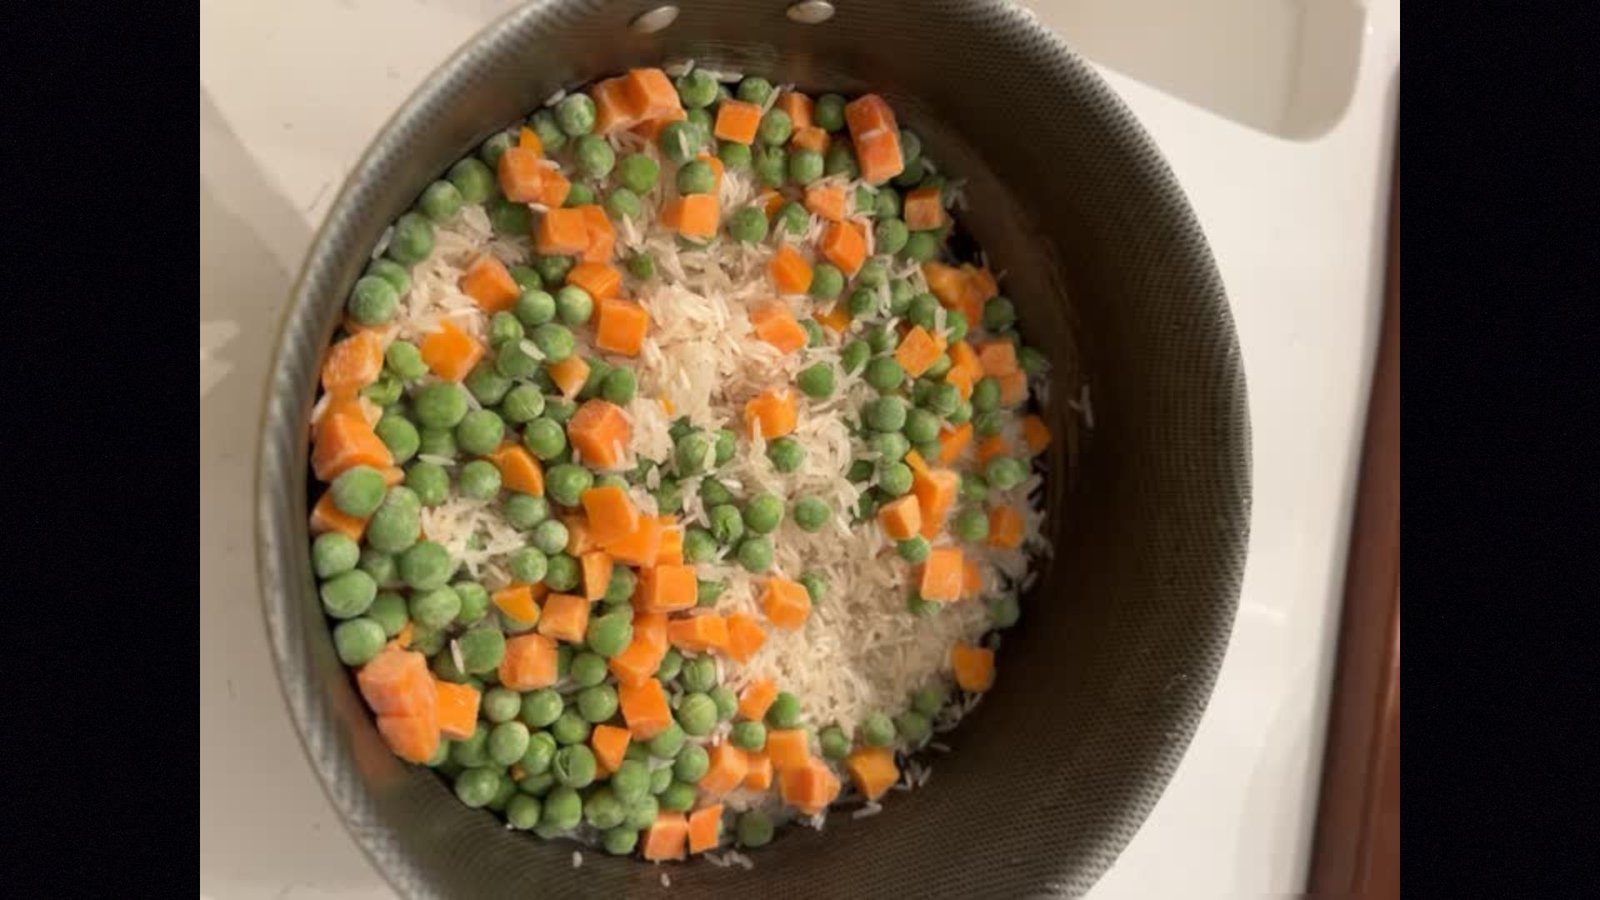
(1101, 688)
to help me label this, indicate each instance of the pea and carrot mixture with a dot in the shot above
(676, 477)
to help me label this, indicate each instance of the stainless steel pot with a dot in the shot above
(1101, 689)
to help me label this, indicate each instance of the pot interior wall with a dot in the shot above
(1122, 635)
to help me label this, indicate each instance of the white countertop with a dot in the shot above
(292, 92)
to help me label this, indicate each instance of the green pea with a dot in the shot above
(386, 391)
(835, 743)
(999, 314)
(503, 326)
(763, 513)
(854, 356)
(472, 751)
(481, 649)
(495, 146)
(922, 311)
(986, 395)
(814, 336)
(441, 201)
(917, 606)
(886, 205)
(1005, 473)
(480, 431)
(544, 438)
(865, 201)
(525, 511)
(358, 640)
(554, 340)
(473, 181)
(703, 125)
(620, 590)
(707, 592)
(523, 811)
(698, 545)
(631, 781)
(805, 166)
(477, 786)
(811, 514)
(943, 398)
(579, 195)
(786, 454)
(534, 307)
(622, 203)
(698, 674)
(1032, 361)
(501, 704)
(528, 565)
(972, 525)
(348, 594)
(754, 828)
(610, 634)
(841, 160)
(725, 446)
(921, 426)
(750, 736)
(574, 765)
(508, 741)
(388, 609)
(643, 811)
(922, 246)
(693, 453)
(679, 141)
(890, 235)
(894, 478)
(816, 380)
(563, 574)
(1004, 611)
(642, 265)
(885, 375)
(886, 413)
(755, 89)
(678, 797)
(435, 608)
(671, 663)
(913, 726)
(412, 239)
(405, 360)
(541, 708)
(816, 586)
(828, 112)
(693, 762)
(574, 307)
(509, 217)
(736, 158)
(603, 810)
(373, 301)
(597, 704)
(427, 641)
(575, 115)
(771, 165)
(426, 565)
(563, 810)
(697, 714)
(955, 329)
(696, 177)
(358, 492)
(988, 424)
(911, 175)
(544, 124)
(914, 549)
(479, 480)
(784, 712)
(474, 602)
(559, 410)
(748, 224)
(565, 483)
(594, 156)
(697, 89)
(727, 525)
(755, 554)
(569, 728)
(441, 404)
(826, 281)
(876, 730)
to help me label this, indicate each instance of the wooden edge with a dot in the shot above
(1356, 848)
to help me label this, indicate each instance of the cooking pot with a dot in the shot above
(1122, 634)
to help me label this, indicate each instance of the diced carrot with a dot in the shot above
(568, 375)
(844, 245)
(353, 363)
(953, 442)
(1013, 388)
(811, 138)
(562, 232)
(692, 215)
(650, 129)
(528, 139)
(600, 280)
(771, 202)
(1005, 527)
(642, 548)
(962, 379)
(599, 430)
(349, 404)
(529, 662)
(727, 771)
(620, 326)
(705, 828)
(516, 601)
(998, 357)
(771, 413)
(637, 663)
(450, 352)
(924, 209)
(602, 236)
(699, 633)
(745, 636)
(786, 603)
(615, 106)
(489, 283)
(1035, 434)
(407, 632)
(412, 738)
(597, 567)
(352, 327)
(651, 627)
(808, 788)
(344, 442)
(520, 173)
(666, 589)
(666, 837)
(788, 748)
(869, 112)
(798, 106)
(945, 282)
(397, 683)
(917, 464)
(873, 770)
(565, 617)
(671, 552)
(918, 351)
(990, 447)
(757, 698)
(828, 201)
(981, 283)
(965, 370)
(580, 539)
(942, 574)
(901, 519)
(835, 319)
(758, 771)
(791, 274)
(737, 121)
(935, 492)
(458, 709)
(878, 155)
(974, 667)
(327, 517)
(644, 708)
(609, 743)
(519, 469)
(971, 578)
(775, 324)
(392, 475)
(652, 92)
(553, 190)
